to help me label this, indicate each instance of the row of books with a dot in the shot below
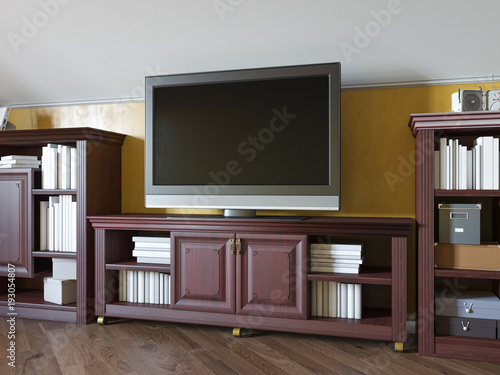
(458, 168)
(332, 299)
(58, 224)
(59, 167)
(342, 258)
(19, 161)
(151, 249)
(144, 287)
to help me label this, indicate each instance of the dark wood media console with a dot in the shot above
(254, 273)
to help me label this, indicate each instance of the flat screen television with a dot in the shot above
(266, 139)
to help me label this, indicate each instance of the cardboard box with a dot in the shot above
(59, 291)
(485, 257)
(460, 223)
(63, 269)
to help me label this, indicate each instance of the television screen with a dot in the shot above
(258, 138)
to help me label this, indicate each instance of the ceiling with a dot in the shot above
(74, 51)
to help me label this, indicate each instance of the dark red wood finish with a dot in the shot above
(98, 191)
(428, 128)
(203, 272)
(271, 277)
(260, 234)
(15, 221)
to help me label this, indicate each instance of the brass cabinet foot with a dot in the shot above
(237, 332)
(399, 347)
(102, 320)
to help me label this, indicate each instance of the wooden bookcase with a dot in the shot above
(249, 257)
(98, 191)
(428, 129)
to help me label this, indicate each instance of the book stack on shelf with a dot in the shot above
(458, 168)
(335, 300)
(144, 287)
(151, 249)
(341, 258)
(19, 161)
(59, 164)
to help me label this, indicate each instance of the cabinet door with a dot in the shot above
(15, 222)
(202, 272)
(271, 276)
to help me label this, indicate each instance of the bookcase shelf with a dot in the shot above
(372, 275)
(214, 261)
(98, 191)
(428, 129)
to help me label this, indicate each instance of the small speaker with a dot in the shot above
(467, 100)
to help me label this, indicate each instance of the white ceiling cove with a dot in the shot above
(88, 51)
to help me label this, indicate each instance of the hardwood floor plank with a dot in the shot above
(307, 355)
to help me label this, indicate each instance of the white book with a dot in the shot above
(327, 261)
(18, 165)
(167, 289)
(53, 166)
(43, 225)
(146, 286)
(57, 223)
(20, 162)
(19, 157)
(463, 168)
(313, 299)
(334, 265)
(351, 256)
(343, 300)
(157, 288)
(350, 301)
(456, 165)
(47, 178)
(50, 228)
(478, 167)
(326, 302)
(496, 164)
(357, 301)
(452, 164)
(335, 269)
(134, 285)
(59, 166)
(437, 170)
(73, 168)
(149, 239)
(486, 161)
(153, 260)
(65, 224)
(158, 246)
(162, 290)
(443, 152)
(337, 246)
(65, 164)
(151, 254)
(470, 170)
(140, 286)
(151, 287)
(332, 299)
(130, 288)
(319, 298)
(73, 224)
(339, 298)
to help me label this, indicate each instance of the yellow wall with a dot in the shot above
(377, 146)
(377, 157)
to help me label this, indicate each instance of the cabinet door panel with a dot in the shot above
(203, 272)
(15, 228)
(272, 276)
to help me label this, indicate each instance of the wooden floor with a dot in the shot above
(146, 347)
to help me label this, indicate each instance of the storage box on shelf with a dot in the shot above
(96, 190)
(253, 273)
(470, 129)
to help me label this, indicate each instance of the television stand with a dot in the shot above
(255, 274)
(239, 213)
